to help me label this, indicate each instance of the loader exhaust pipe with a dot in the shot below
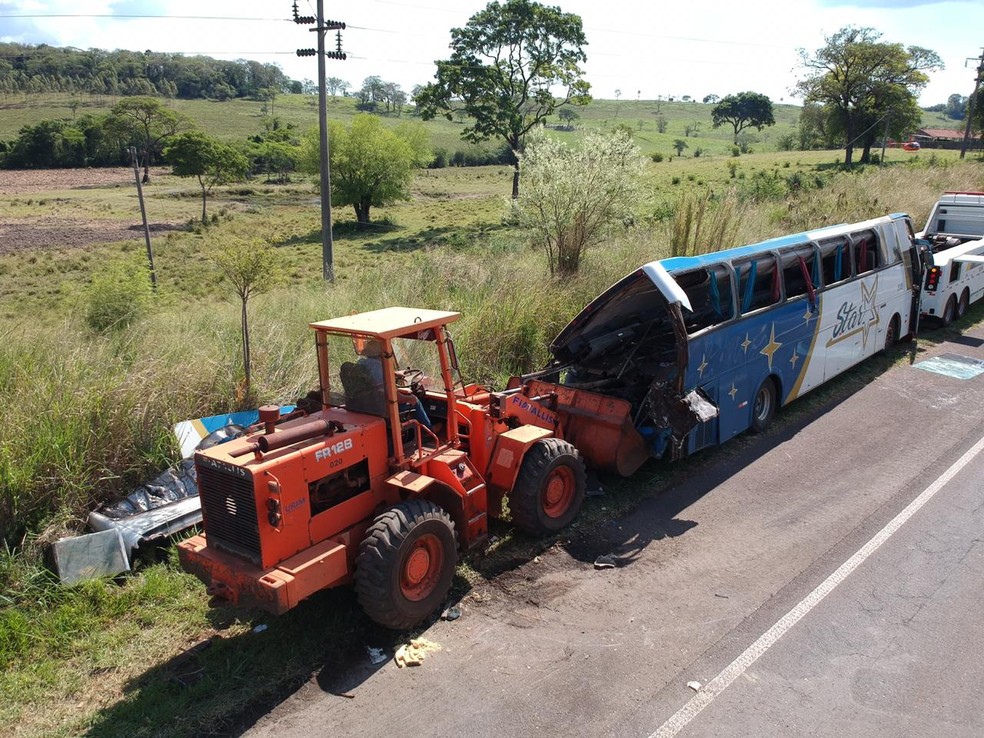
(272, 441)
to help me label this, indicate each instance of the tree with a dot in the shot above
(568, 115)
(976, 111)
(46, 145)
(813, 127)
(196, 154)
(148, 121)
(956, 107)
(710, 99)
(859, 79)
(679, 144)
(505, 64)
(250, 266)
(744, 110)
(371, 165)
(573, 194)
(334, 85)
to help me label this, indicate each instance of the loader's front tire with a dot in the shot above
(549, 488)
(405, 564)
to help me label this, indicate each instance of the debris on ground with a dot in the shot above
(260, 628)
(414, 652)
(605, 561)
(99, 554)
(451, 614)
(695, 685)
(154, 511)
(376, 655)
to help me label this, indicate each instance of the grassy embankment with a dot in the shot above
(87, 414)
(237, 119)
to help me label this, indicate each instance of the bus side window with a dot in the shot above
(758, 282)
(835, 255)
(866, 252)
(799, 271)
(709, 291)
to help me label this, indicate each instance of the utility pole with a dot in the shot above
(321, 27)
(881, 162)
(970, 103)
(143, 214)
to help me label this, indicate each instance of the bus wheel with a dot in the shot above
(549, 488)
(964, 302)
(764, 410)
(405, 564)
(892, 334)
(949, 312)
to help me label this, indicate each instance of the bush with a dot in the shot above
(440, 159)
(572, 196)
(656, 156)
(117, 296)
(735, 150)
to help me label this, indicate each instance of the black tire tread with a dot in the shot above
(524, 500)
(378, 554)
(949, 311)
(756, 426)
(963, 303)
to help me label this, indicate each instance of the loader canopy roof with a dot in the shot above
(388, 322)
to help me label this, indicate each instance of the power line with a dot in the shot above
(131, 16)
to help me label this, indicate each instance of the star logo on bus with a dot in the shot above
(733, 391)
(746, 343)
(703, 365)
(868, 308)
(793, 359)
(771, 347)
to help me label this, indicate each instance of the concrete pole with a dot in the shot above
(327, 245)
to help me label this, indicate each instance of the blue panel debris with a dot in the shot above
(952, 365)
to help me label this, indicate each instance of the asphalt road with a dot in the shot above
(826, 580)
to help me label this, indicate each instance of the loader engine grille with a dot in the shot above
(230, 511)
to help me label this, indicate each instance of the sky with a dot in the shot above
(644, 49)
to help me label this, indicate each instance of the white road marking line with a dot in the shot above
(738, 667)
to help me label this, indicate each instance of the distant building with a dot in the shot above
(942, 138)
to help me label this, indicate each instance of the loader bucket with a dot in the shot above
(600, 427)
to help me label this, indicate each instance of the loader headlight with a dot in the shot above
(273, 512)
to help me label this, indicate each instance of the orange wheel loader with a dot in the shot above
(396, 467)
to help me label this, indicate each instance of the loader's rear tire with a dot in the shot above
(405, 564)
(549, 488)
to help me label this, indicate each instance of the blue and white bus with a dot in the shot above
(706, 347)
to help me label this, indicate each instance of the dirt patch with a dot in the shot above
(29, 182)
(47, 233)
(59, 233)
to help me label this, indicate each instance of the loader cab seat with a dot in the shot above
(361, 393)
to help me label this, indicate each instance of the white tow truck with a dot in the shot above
(954, 234)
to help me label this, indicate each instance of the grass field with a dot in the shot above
(236, 119)
(88, 413)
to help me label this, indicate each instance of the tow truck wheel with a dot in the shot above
(549, 488)
(405, 564)
(963, 304)
(949, 312)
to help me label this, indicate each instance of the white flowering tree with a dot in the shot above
(573, 194)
